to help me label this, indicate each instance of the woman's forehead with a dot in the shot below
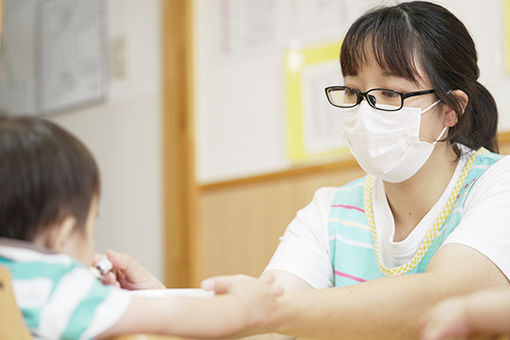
(394, 56)
(375, 67)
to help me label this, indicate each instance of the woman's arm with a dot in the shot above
(388, 308)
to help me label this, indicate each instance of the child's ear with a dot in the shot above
(61, 233)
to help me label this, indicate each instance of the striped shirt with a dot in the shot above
(59, 297)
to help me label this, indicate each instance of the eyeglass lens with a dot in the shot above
(378, 98)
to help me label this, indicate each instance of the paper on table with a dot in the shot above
(187, 292)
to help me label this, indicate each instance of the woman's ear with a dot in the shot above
(61, 234)
(450, 118)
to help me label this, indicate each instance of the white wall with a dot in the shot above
(124, 134)
(240, 118)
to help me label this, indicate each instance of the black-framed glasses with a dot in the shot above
(381, 99)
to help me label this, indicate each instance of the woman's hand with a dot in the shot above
(128, 274)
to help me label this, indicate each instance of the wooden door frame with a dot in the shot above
(179, 179)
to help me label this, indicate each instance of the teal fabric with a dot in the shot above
(81, 315)
(84, 313)
(352, 248)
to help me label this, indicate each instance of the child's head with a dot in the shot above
(50, 185)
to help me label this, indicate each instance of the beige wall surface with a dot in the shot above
(124, 134)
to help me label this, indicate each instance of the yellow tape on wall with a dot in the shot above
(296, 60)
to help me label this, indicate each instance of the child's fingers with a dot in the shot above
(109, 278)
(422, 324)
(222, 284)
(431, 325)
(219, 284)
(268, 278)
(97, 257)
(277, 290)
(119, 261)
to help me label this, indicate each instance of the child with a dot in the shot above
(482, 313)
(48, 206)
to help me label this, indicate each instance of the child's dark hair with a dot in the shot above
(400, 35)
(46, 174)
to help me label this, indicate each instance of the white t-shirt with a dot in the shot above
(485, 226)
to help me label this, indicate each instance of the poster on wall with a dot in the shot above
(313, 125)
(317, 19)
(250, 27)
(72, 54)
(54, 55)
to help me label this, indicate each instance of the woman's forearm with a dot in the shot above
(380, 309)
(388, 308)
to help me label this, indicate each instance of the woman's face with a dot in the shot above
(372, 76)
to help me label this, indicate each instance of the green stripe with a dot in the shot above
(36, 270)
(31, 316)
(85, 311)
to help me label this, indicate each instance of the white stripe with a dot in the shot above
(108, 313)
(457, 210)
(480, 166)
(32, 293)
(360, 184)
(492, 156)
(28, 255)
(71, 290)
(351, 242)
(349, 223)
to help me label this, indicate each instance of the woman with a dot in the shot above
(430, 219)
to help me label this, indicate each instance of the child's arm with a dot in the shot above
(483, 313)
(248, 304)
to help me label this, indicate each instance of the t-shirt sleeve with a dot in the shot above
(81, 307)
(111, 304)
(304, 248)
(485, 225)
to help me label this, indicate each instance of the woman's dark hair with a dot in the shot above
(46, 174)
(399, 36)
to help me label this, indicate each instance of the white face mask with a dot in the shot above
(387, 144)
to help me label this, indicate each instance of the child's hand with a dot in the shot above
(259, 297)
(446, 320)
(129, 274)
(256, 297)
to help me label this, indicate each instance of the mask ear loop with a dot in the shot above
(446, 127)
(430, 106)
(435, 103)
(441, 134)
